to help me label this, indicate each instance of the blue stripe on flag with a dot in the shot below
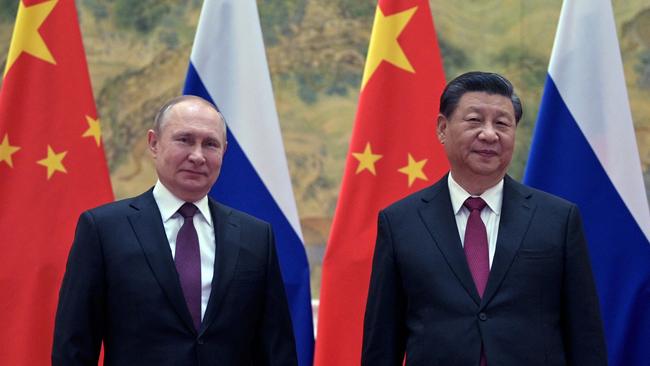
(240, 186)
(562, 162)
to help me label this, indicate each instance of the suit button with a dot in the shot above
(482, 316)
(200, 341)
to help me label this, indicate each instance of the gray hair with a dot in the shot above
(161, 116)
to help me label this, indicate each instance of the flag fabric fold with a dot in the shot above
(584, 150)
(393, 152)
(52, 167)
(228, 67)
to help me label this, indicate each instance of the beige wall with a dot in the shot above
(138, 56)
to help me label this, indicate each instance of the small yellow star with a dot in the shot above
(367, 160)
(53, 162)
(383, 42)
(414, 169)
(6, 150)
(26, 37)
(94, 130)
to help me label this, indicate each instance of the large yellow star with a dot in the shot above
(414, 169)
(53, 162)
(383, 42)
(94, 130)
(26, 37)
(367, 160)
(6, 150)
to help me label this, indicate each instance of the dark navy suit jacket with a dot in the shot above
(539, 307)
(121, 287)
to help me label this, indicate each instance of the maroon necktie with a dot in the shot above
(188, 262)
(476, 244)
(476, 249)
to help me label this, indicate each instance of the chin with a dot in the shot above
(487, 171)
(195, 189)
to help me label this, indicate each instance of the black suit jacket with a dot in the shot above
(121, 287)
(539, 307)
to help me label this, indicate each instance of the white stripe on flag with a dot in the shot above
(586, 53)
(229, 56)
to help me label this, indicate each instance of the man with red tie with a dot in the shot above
(479, 269)
(172, 277)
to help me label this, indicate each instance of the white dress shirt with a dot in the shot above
(168, 204)
(490, 215)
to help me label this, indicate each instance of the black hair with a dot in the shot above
(478, 81)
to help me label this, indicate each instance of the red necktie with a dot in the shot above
(188, 262)
(476, 249)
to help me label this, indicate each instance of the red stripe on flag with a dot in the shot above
(396, 118)
(53, 176)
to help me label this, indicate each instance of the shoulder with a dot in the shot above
(418, 199)
(234, 215)
(123, 207)
(538, 197)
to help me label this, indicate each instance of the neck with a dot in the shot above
(475, 185)
(183, 195)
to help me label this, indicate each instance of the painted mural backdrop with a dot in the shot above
(138, 53)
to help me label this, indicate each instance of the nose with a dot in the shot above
(196, 155)
(488, 133)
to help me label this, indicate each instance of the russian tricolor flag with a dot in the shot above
(584, 150)
(228, 67)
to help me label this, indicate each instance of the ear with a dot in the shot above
(152, 141)
(442, 128)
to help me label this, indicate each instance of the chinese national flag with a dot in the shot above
(52, 167)
(394, 151)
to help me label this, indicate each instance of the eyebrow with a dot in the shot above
(500, 111)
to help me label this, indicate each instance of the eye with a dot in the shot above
(184, 139)
(212, 144)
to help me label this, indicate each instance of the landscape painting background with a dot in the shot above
(138, 54)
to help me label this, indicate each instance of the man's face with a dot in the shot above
(188, 150)
(479, 138)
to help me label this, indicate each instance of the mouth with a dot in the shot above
(486, 153)
(193, 172)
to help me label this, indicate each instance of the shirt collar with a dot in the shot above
(492, 196)
(168, 204)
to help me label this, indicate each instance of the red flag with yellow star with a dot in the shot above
(393, 152)
(52, 167)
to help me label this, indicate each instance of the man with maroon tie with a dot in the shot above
(172, 277)
(479, 269)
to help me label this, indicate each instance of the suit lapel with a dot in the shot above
(227, 237)
(516, 213)
(438, 216)
(149, 230)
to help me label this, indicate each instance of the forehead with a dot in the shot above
(483, 102)
(193, 116)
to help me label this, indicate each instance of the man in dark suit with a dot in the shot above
(479, 269)
(172, 277)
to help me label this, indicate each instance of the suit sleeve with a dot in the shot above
(583, 330)
(384, 329)
(276, 342)
(79, 323)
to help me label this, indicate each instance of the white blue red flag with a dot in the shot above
(584, 150)
(228, 67)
